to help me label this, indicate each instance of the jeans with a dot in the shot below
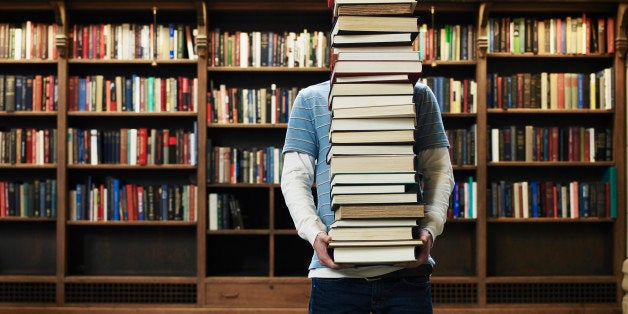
(357, 295)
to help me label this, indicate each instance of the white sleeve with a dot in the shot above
(296, 185)
(435, 166)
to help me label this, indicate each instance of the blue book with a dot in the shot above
(116, 199)
(42, 199)
(82, 94)
(128, 94)
(456, 205)
(580, 77)
(79, 202)
(164, 201)
(53, 197)
(172, 44)
(19, 88)
(534, 188)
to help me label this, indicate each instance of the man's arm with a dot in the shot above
(435, 166)
(296, 185)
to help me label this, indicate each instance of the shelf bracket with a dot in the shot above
(482, 41)
(201, 38)
(61, 37)
(621, 41)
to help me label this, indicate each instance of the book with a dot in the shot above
(343, 102)
(374, 178)
(368, 189)
(376, 78)
(374, 7)
(372, 124)
(389, 136)
(370, 199)
(390, 39)
(378, 211)
(377, 233)
(390, 111)
(374, 252)
(370, 89)
(341, 150)
(377, 55)
(356, 24)
(353, 68)
(372, 164)
(392, 222)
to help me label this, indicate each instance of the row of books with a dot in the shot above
(97, 93)
(28, 146)
(112, 199)
(454, 96)
(250, 105)
(303, 49)
(28, 92)
(142, 146)
(552, 91)
(130, 41)
(36, 199)
(463, 202)
(28, 40)
(533, 199)
(243, 165)
(560, 35)
(375, 193)
(550, 143)
(224, 212)
(451, 42)
(462, 146)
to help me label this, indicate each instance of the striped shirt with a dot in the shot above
(308, 132)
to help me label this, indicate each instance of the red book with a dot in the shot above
(499, 92)
(47, 146)
(101, 206)
(587, 147)
(129, 202)
(519, 90)
(173, 149)
(610, 34)
(560, 89)
(85, 42)
(142, 146)
(210, 108)
(2, 207)
(38, 82)
(555, 201)
(163, 94)
(559, 36)
(101, 40)
(50, 94)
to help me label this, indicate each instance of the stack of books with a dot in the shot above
(374, 189)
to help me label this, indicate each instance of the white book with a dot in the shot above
(349, 223)
(375, 178)
(213, 211)
(132, 147)
(525, 199)
(367, 189)
(372, 124)
(340, 102)
(93, 149)
(544, 91)
(494, 145)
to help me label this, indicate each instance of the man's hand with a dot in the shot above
(424, 253)
(320, 246)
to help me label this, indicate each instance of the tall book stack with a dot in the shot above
(374, 190)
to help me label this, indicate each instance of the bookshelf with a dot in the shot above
(486, 263)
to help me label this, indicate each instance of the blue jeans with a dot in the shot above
(357, 295)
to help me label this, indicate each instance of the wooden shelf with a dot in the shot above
(485, 264)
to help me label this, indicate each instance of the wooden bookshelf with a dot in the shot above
(485, 264)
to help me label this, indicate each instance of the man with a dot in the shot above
(402, 288)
